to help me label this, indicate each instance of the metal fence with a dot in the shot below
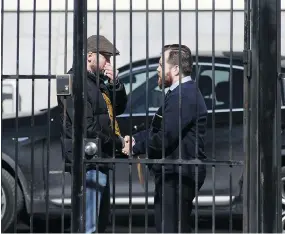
(241, 91)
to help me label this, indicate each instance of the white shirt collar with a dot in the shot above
(183, 80)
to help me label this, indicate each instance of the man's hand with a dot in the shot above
(127, 139)
(109, 71)
(127, 149)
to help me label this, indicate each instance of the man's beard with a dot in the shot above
(166, 80)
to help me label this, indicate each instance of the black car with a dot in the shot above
(46, 179)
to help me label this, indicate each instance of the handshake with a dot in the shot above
(127, 146)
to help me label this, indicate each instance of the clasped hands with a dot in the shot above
(127, 150)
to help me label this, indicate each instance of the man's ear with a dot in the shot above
(89, 55)
(176, 70)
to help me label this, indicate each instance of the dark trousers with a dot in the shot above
(104, 216)
(171, 204)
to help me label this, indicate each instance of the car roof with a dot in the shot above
(236, 55)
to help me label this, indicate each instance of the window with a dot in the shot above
(137, 80)
(139, 91)
(222, 87)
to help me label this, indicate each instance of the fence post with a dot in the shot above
(246, 114)
(265, 116)
(79, 67)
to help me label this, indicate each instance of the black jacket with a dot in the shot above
(189, 114)
(98, 123)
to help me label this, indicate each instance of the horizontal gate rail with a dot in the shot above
(166, 161)
(28, 77)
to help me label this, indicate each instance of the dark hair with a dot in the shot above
(186, 57)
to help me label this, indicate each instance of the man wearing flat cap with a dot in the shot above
(99, 123)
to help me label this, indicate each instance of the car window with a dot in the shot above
(222, 87)
(137, 80)
(139, 90)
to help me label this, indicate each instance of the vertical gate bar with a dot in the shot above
(2, 30)
(83, 165)
(64, 116)
(130, 121)
(2, 36)
(214, 199)
(48, 120)
(254, 165)
(163, 122)
(83, 206)
(63, 165)
(147, 115)
(114, 70)
(65, 35)
(269, 113)
(231, 113)
(278, 122)
(246, 116)
(79, 59)
(33, 115)
(213, 80)
(130, 98)
(98, 78)
(180, 122)
(17, 114)
(72, 201)
(114, 67)
(97, 195)
(213, 118)
(196, 134)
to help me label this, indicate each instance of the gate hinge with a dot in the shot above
(64, 85)
(247, 62)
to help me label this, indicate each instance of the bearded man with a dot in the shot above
(193, 123)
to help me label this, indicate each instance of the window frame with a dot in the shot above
(135, 71)
(223, 65)
(151, 67)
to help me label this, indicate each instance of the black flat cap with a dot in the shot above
(104, 45)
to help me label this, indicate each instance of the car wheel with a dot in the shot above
(8, 200)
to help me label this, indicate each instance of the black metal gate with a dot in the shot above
(225, 167)
(263, 117)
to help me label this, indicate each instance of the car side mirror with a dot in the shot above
(282, 79)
